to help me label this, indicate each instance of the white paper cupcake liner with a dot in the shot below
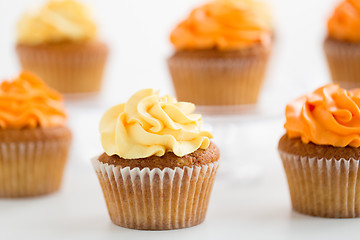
(32, 168)
(156, 199)
(323, 187)
(344, 61)
(218, 82)
(70, 70)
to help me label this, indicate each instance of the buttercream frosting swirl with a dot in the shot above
(57, 21)
(224, 25)
(26, 102)
(328, 116)
(149, 124)
(344, 24)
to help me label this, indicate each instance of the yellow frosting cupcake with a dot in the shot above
(154, 146)
(59, 43)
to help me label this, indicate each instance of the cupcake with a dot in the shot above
(34, 140)
(321, 152)
(342, 45)
(58, 43)
(158, 167)
(221, 53)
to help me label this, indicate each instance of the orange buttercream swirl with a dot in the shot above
(26, 102)
(224, 25)
(328, 116)
(344, 24)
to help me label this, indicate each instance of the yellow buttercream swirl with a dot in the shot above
(148, 124)
(57, 21)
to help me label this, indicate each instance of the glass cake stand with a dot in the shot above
(238, 132)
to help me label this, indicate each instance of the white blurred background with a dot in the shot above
(137, 32)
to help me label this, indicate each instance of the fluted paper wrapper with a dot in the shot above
(323, 187)
(156, 199)
(32, 168)
(69, 69)
(344, 61)
(218, 82)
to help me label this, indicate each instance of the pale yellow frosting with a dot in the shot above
(57, 21)
(149, 124)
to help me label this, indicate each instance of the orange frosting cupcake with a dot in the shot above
(328, 116)
(34, 139)
(26, 102)
(320, 152)
(344, 24)
(224, 25)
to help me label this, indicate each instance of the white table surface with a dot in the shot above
(250, 200)
(249, 203)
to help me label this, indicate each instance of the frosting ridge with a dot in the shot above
(328, 116)
(344, 24)
(148, 124)
(26, 102)
(224, 25)
(56, 21)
